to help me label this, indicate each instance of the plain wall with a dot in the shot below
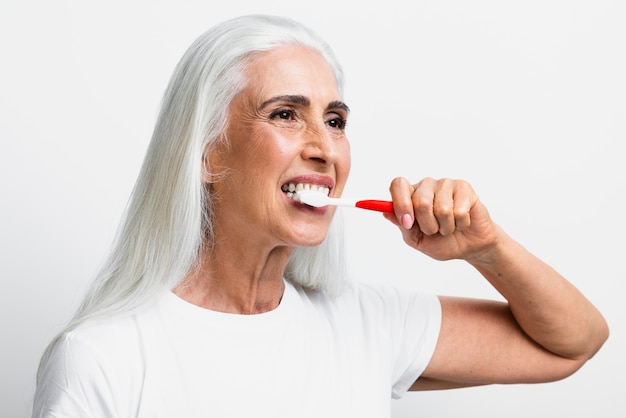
(526, 100)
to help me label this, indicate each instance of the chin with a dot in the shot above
(309, 240)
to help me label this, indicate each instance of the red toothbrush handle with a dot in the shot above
(377, 205)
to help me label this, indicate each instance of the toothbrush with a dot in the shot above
(318, 199)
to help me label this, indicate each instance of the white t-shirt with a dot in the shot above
(313, 356)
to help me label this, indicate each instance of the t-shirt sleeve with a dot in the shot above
(414, 325)
(72, 383)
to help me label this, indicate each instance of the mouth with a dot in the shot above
(289, 189)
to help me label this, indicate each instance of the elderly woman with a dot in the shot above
(224, 296)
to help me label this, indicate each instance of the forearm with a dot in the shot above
(547, 307)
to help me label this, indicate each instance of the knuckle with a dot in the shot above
(427, 181)
(397, 184)
(445, 209)
(430, 229)
(422, 202)
(445, 182)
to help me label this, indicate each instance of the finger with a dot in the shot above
(464, 200)
(443, 206)
(401, 191)
(391, 217)
(423, 199)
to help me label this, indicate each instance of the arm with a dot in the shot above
(546, 330)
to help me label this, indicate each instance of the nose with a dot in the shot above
(320, 145)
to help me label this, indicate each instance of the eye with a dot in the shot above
(337, 123)
(284, 114)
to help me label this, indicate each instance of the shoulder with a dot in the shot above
(113, 333)
(95, 367)
(374, 294)
(111, 344)
(400, 325)
(108, 344)
(375, 302)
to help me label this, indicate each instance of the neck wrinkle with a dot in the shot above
(227, 281)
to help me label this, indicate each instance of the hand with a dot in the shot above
(442, 218)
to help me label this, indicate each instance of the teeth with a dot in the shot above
(291, 188)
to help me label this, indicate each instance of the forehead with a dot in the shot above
(291, 69)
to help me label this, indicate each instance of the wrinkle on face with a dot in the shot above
(254, 139)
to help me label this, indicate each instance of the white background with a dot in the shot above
(526, 100)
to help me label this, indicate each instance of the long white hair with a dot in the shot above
(168, 220)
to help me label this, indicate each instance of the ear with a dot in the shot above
(207, 163)
(212, 161)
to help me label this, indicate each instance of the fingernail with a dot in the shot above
(407, 221)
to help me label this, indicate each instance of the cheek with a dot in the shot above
(274, 148)
(345, 162)
(262, 157)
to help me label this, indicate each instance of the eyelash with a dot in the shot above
(340, 123)
(283, 112)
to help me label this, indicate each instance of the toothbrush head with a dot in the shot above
(312, 198)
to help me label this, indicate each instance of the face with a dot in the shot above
(286, 128)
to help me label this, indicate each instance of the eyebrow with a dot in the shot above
(304, 101)
(337, 104)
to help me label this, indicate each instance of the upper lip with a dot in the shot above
(317, 179)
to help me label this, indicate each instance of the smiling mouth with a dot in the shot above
(291, 188)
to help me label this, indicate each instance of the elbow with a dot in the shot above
(588, 349)
(601, 335)
(562, 368)
(584, 345)
(596, 337)
(572, 355)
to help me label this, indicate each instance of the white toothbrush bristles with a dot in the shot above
(311, 198)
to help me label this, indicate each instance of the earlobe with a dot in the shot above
(212, 168)
(207, 163)
(208, 176)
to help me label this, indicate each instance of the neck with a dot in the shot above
(237, 280)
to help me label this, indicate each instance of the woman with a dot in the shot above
(224, 296)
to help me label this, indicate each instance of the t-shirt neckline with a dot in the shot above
(179, 306)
